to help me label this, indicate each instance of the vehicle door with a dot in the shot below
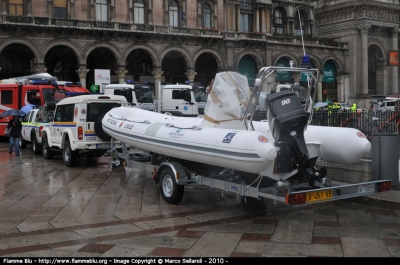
(26, 125)
(184, 101)
(64, 118)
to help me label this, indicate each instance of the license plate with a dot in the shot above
(318, 195)
(366, 188)
(103, 146)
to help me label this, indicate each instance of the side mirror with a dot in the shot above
(187, 96)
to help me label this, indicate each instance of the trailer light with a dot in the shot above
(103, 97)
(385, 186)
(295, 199)
(177, 175)
(40, 131)
(80, 133)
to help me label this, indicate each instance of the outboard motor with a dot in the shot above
(288, 121)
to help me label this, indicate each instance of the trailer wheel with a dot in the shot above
(70, 157)
(47, 153)
(22, 143)
(171, 192)
(35, 145)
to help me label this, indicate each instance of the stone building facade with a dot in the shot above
(170, 41)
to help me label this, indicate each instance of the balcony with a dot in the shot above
(131, 27)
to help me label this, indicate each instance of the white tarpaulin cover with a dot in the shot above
(227, 101)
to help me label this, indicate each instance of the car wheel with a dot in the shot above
(36, 147)
(22, 143)
(47, 153)
(70, 157)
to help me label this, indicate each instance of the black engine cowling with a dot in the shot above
(288, 122)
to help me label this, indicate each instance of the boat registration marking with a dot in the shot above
(318, 195)
(366, 188)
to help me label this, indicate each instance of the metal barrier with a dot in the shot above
(369, 122)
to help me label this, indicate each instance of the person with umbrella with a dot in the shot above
(16, 126)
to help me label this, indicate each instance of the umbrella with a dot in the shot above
(27, 108)
(12, 112)
(320, 105)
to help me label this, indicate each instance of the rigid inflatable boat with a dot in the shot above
(282, 146)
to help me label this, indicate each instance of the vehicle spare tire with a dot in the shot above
(98, 128)
(50, 105)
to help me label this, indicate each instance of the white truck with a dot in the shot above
(180, 100)
(77, 129)
(137, 95)
(33, 122)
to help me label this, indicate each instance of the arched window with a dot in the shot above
(173, 13)
(101, 10)
(138, 7)
(277, 21)
(16, 8)
(303, 17)
(246, 16)
(60, 8)
(206, 14)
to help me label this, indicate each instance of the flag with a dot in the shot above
(183, 18)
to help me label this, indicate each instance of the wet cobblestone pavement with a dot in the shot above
(49, 210)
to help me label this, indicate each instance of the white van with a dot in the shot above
(180, 100)
(137, 95)
(387, 104)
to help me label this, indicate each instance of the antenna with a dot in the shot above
(301, 30)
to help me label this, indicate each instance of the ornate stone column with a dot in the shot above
(319, 89)
(40, 68)
(296, 78)
(72, 9)
(190, 73)
(157, 72)
(120, 71)
(340, 91)
(364, 57)
(346, 87)
(395, 69)
(29, 8)
(4, 8)
(82, 72)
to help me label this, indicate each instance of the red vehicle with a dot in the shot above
(18, 92)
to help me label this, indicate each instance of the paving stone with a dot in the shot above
(108, 230)
(214, 245)
(278, 249)
(364, 247)
(296, 231)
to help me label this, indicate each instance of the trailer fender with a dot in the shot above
(179, 172)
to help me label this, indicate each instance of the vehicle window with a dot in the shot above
(200, 97)
(391, 104)
(144, 96)
(95, 109)
(6, 97)
(65, 113)
(178, 94)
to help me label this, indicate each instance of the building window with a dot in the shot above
(60, 8)
(277, 21)
(206, 14)
(16, 7)
(246, 16)
(173, 13)
(138, 7)
(303, 17)
(101, 10)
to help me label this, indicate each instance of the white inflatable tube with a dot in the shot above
(179, 137)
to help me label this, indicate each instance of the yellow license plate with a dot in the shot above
(318, 195)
